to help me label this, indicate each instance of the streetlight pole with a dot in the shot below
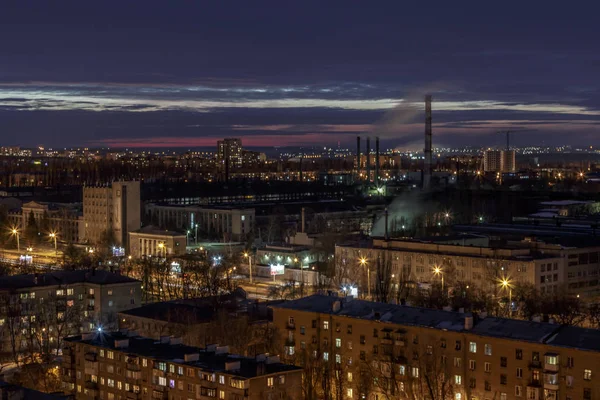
(16, 233)
(506, 285)
(439, 271)
(249, 257)
(363, 262)
(53, 236)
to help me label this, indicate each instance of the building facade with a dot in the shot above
(65, 220)
(111, 210)
(377, 350)
(229, 223)
(47, 307)
(117, 366)
(155, 242)
(229, 150)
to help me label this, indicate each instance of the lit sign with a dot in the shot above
(26, 259)
(118, 251)
(175, 268)
(277, 269)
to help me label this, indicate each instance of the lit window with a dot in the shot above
(338, 342)
(325, 325)
(338, 358)
(110, 292)
(457, 380)
(349, 393)
(458, 396)
(415, 372)
(281, 379)
(221, 379)
(551, 359)
(587, 374)
(488, 350)
(349, 377)
(162, 381)
(326, 356)
(270, 382)
(473, 347)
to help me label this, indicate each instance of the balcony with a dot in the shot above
(290, 326)
(133, 396)
(551, 367)
(91, 385)
(386, 340)
(534, 383)
(133, 366)
(535, 364)
(92, 357)
(551, 381)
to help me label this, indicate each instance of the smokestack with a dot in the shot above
(377, 161)
(303, 220)
(368, 151)
(387, 236)
(427, 150)
(358, 157)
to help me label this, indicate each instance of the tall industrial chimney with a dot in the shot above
(377, 161)
(368, 153)
(358, 158)
(427, 150)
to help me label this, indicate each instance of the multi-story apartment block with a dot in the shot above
(229, 150)
(111, 210)
(205, 221)
(149, 241)
(120, 366)
(548, 265)
(63, 302)
(378, 350)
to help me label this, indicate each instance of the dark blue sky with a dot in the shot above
(184, 73)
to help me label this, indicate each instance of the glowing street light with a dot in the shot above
(249, 264)
(53, 236)
(505, 284)
(438, 271)
(162, 248)
(15, 232)
(363, 262)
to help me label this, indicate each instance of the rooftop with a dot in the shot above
(98, 277)
(528, 331)
(152, 230)
(208, 360)
(29, 394)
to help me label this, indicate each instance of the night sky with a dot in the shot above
(183, 73)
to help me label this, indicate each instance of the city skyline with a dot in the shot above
(188, 74)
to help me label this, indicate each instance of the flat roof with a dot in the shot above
(152, 230)
(55, 278)
(513, 329)
(175, 353)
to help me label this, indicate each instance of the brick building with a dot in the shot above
(382, 349)
(119, 366)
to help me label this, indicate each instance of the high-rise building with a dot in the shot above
(499, 161)
(508, 161)
(230, 149)
(120, 366)
(111, 210)
(491, 161)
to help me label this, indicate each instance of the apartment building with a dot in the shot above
(229, 151)
(63, 302)
(120, 366)
(548, 264)
(113, 209)
(150, 241)
(382, 349)
(231, 223)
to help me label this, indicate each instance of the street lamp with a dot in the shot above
(53, 236)
(438, 271)
(249, 264)
(15, 232)
(505, 283)
(161, 246)
(363, 262)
